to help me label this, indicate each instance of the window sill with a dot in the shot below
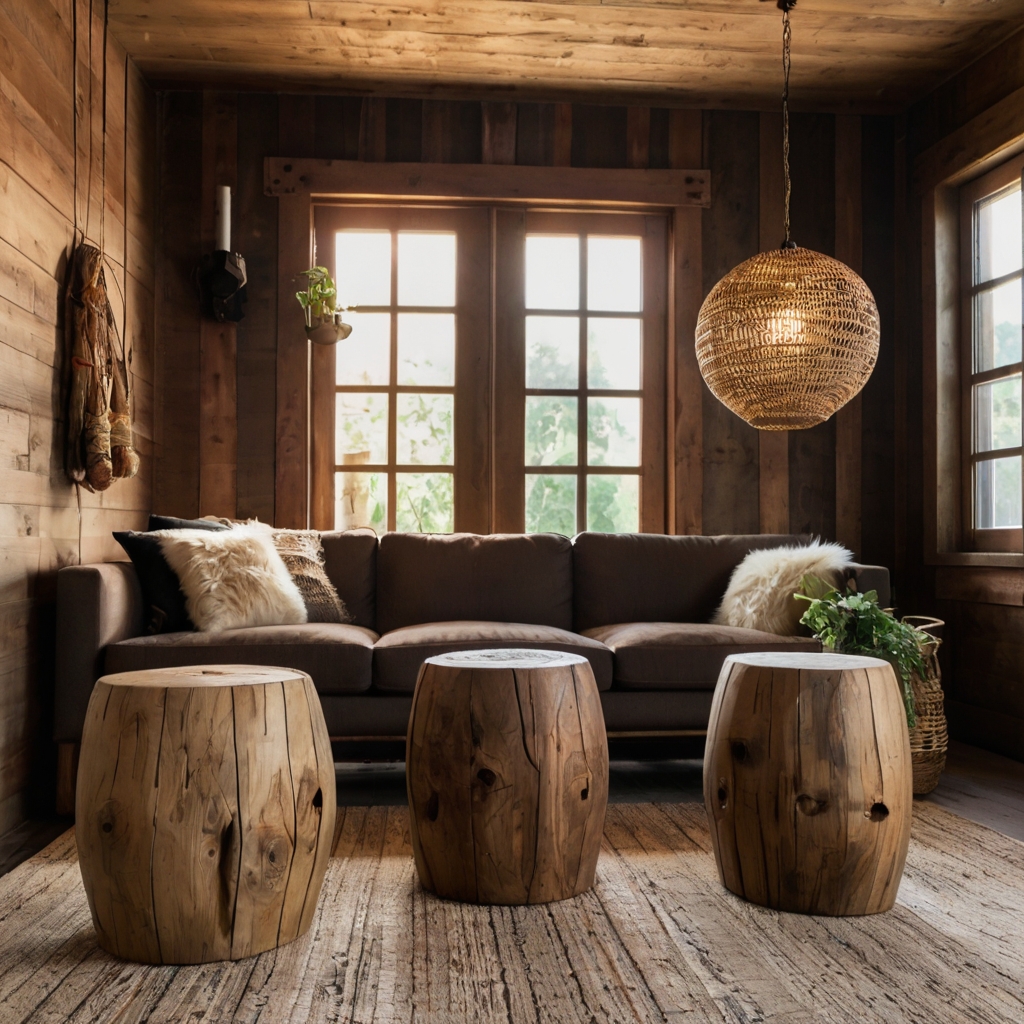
(993, 559)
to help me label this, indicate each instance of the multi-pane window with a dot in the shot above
(992, 363)
(506, 371)
(395, 405)
(583, 401)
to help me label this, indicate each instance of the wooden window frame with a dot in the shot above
(509, 463)
(934, 179)
(302, 495)
(1007, 540)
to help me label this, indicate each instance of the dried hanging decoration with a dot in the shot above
(791, 335)
(99, 438)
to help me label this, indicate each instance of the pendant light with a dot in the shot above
(791, 335)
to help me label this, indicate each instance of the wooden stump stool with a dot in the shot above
(808, 782)
(205, 811)
(507, 769)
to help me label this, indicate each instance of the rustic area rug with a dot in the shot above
(657, 940)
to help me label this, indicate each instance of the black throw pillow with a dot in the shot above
(161, 593)
(171, 523)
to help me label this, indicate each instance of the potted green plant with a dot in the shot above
(319, 302)
(853, 623)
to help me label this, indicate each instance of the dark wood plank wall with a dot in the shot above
(983, 657)
(61, 169)
(583, 135)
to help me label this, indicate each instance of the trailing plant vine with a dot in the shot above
(853, 623)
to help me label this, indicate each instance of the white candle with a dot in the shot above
(223, 217)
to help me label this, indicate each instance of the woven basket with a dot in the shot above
(928, 739)
(787, 338)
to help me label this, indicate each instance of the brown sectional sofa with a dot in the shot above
(636, 605)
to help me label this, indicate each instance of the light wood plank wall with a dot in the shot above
(94, 169)
(724, 477)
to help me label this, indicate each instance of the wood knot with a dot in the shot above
(809, 806)
(585, 792)
(878, 812)
(486, 776)
(432, 807)
(723, 794)
(739, 751)
(318, 799)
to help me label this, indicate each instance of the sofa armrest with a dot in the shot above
(96, 605)
(869, 577)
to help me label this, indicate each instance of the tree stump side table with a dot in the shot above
(507, 775)
(205, 811)
(808, 782)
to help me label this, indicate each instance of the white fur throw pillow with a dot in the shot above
(232, 579)
(760, 593)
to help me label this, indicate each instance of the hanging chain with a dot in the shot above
(786, 39)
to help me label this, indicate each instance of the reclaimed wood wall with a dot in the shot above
(979, 110)
(730, 478)
(77, 159)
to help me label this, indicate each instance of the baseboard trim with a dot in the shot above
(990, 730)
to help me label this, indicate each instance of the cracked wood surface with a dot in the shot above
(507, 772)
(205, 803)
(656, 940)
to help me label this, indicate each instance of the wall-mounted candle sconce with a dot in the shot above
(220, 276)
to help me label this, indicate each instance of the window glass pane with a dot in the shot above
(363, 267)
(997, 315)
(552, 351)
(425, 430)
(426, 349)
(998, 494)
(551, 431)
(613, 431)
(613, 354)
(997, 415)
(366, 358)
(361, 499)
(424, 503)
(361, 429)
(613, 503)
(550, 504)
(552, 272)
(613, 273)
(999, 235)
(426, 268)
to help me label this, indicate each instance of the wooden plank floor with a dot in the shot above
(657, 940)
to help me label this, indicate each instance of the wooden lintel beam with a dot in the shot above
(493, 182)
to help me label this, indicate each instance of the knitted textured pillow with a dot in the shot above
(303, 554)
(760, 593)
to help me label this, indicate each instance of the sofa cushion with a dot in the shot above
(336, 656)
(350, 558)
(648, 577)
(398, 655)
(463, 576)
(683, 655)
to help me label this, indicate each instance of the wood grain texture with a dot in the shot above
(499, 126)
(730, 496)
(205, 808)
(876, 55)
(773, 445)
(657, 939)
(808, 783)
(507, 771)
(608, 185)
(849, 250)
(686, 386)
(71, 165)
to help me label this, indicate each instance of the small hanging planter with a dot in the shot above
(324, 325)
(328, 332)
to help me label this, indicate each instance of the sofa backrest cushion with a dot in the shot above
(498, 578)
(649, 577)
(350, 558)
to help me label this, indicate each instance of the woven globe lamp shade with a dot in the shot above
(787, 338)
